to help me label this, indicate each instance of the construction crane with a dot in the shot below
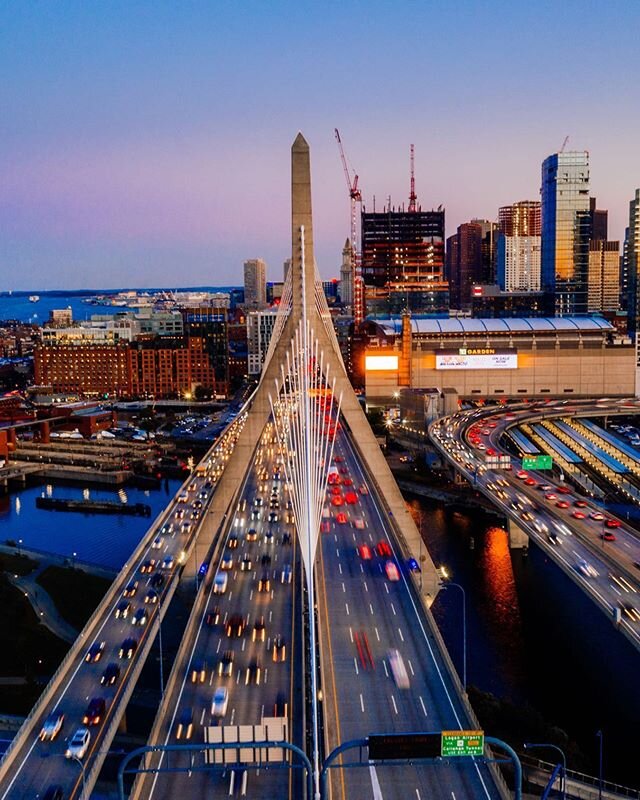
(564, 144)
(355, 197)
(412, 195)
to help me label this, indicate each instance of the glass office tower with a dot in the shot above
(566, 231)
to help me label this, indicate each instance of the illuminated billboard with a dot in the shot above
(477, 358)
(381, 363)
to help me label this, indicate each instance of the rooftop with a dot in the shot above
(507, 325)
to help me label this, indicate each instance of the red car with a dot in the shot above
(564, 490)
(364, 551)
(324, 527)
(531, 482)
(351, 498)
(580, 503)
(608, 536)
(337, 500)
(597, 516)
(347, 482)
(522, 474)
(551, 496)
(338, 459)
(612, 523)
(383, 549)
(341, 518)
(335, 490)
(363, 489)
(578, 515)
(562, 504)
(344, 471)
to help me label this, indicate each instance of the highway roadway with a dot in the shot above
(364, 615)
(570, 527)
(143, 586)
(208, 640)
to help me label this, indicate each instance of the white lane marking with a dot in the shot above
(361, 703)
(344, 588)
(202, 716)
(424, 710)
(351, 634)
(453, 796)
(386, 671)
(361, 568)
(410, 666)
(218, 647)
(377, 634)
(346, 605)
(371, 609)
(366, 588)
(335, 536)
(337, 553)
(393, 608)
(418, 795)
(401, 636)
(251, 595)
(395, 707)
(340, 568)
(375, 784)
(387, 588)
(355, 664)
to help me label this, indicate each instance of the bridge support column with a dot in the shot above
(518, 539)
(44, 432)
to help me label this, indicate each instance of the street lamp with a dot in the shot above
(532, 745)
(446, 585)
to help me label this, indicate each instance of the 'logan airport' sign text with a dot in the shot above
(477, 358)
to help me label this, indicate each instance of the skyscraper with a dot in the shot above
(624, 272)
(255, 283)
(565, 218)
(599, 221)
(466, 267)
(519, 247)
(633, 251)
(604, 275)
(346, 275)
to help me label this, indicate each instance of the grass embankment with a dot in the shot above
(76, 594)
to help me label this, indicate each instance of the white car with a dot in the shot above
(79, 743)
(220, 702)
(158, 542)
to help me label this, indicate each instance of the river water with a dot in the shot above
(534, 638)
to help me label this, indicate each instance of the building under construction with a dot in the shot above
(403, 261)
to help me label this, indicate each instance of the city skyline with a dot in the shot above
(144, 145)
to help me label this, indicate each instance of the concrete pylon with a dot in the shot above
(352, 413)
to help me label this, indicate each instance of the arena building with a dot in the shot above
(494, 358)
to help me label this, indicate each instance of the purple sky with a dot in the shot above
(147, 143)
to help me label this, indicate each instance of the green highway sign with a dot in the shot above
(537, 462)
(462, 743)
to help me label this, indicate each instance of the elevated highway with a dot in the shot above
(599, 551)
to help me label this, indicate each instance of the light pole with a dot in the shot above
(446, 585)
(532, 745)
(160, 648)
(81, 764)
(600, 737)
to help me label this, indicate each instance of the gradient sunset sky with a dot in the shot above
(147, 143)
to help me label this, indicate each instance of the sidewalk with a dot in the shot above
(42, 604)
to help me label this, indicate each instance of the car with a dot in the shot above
(110, 675)
(78, 744)
(531, 482)
(252, 535)
(246, 564)
(597, 516)
(527, 516)
(130, 589)
(580, 503)
(180, 513)
(522, 475)
(554, 538)
(398, 669)
(285, 575)
(363, 489)
(232, 542)
(562, 504)
(151, 597)
(184, 728)
(551, 496)
(268, 538)
(564, 490)
(198, 671)
(413, 565)
(351, 498)
(630, 611)
(235, 626)
(337, 500)
(257, 502)
(341, 518)
(213, 616)
(225, 664)
(280, 706)
(226, 562)
(140, 616)
(220, 702)
(364, 551)
(186, 526)
(148, 566)
(578, 515)
(122, 609)
(167, 528)
(391, 571)
(608, 536)
(286, 538)
(51, 726)
(54, 792)
(264, 583)
(256, 515)
(612, 523)
(383, 549)
(273, 517)
(157, 579)
(265, 559)
(95, 711)
(253, 673)
(545, 487)
(259, 631)
(157, 542)
(279, 649)
(128, 648)
(94, 653)
(325, 527)
(347, 482)
(586, 568)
